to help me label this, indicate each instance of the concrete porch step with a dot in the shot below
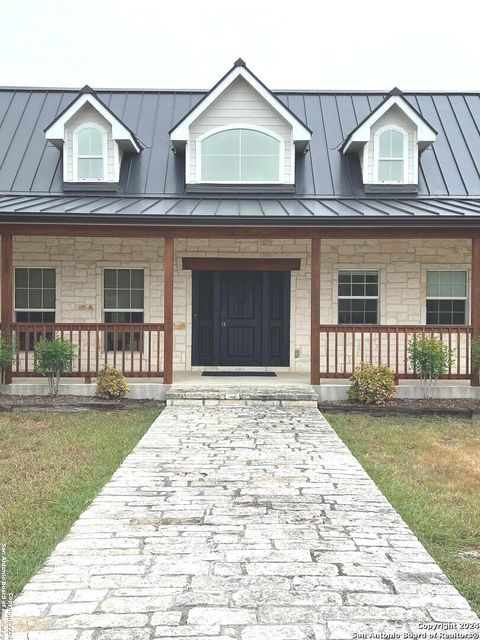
(242, 395)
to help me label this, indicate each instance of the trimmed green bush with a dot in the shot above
(372, 384)
(429, 358)
(111, 384)
(54, 357)
(7, 353)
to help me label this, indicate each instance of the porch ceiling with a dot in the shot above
(235, 210)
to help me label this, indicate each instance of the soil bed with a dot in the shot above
(72, 403)
(461, 407)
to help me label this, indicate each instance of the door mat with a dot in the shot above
(258, 374)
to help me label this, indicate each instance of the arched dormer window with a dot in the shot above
(240, 154)
(89, 153)
(391, 148)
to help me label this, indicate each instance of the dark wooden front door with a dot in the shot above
(241, 318)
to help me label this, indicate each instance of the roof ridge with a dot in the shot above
(383, 92)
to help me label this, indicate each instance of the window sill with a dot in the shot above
(239, 188)
(391, 188)
(91, 186)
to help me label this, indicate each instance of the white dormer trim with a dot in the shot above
(75, 132)
(181, 132)
(376, 154)
(229, 127)
(121, 135)
(425, 134)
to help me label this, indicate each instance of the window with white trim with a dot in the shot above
(391, 158)
(446, 301)
(90, 153)
(240, 155)
(357, 297)
(123, 302)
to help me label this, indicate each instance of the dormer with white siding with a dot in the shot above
(240, 134)
(92, 140)
(388, 142)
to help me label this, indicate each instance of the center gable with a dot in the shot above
(240, 133)
(240, 103)
(240, 107)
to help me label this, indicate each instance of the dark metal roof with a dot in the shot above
(267, 210)
(450, 167)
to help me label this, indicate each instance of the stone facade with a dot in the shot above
(402, 266)
(300, 287)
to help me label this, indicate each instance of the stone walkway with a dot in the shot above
(239, 521)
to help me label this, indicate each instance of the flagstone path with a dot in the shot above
(239, 518)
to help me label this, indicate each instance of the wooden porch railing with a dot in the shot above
(136, 349)
(344, 347)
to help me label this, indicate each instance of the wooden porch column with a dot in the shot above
(168, 311)
(315, 313)
(7, 291)
(475, 295)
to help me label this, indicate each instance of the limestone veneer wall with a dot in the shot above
(300, 287)
(402, 266)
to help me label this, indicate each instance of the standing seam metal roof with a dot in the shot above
(237, 210)
(450, 167)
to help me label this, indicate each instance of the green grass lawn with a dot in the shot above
(51, 466)
(429, 469)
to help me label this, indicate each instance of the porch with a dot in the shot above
(159, 349)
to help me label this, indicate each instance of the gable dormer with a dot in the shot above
(240, 133)
(92, 140)
(389, 141)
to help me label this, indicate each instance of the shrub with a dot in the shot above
(372, 384)
(111, 384)
(429, 358)
(475, 348)
(7, 353)
(52, 358)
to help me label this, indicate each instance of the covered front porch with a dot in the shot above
(160, 347)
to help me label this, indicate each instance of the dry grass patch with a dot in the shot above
(51, 466)
(429, 469)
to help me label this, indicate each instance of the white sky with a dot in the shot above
(294, 44)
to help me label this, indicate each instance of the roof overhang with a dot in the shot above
(55, 132)
(180, 133)
(359, 136)
(251, 211)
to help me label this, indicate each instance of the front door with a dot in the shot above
(241, 318)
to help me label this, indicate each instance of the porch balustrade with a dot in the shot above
(136, 349)
(343, 347)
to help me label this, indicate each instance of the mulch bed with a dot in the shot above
(71, 403)
(466, 408)
(461, 407)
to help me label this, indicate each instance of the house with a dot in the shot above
(175, 231)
